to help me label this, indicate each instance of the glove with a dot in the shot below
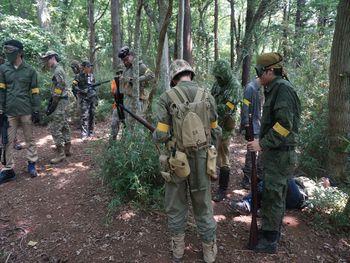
(35, 117)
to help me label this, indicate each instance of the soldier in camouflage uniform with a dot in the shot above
(19, 102)
(87, 97)
(224, 91)
(278, 139)
(197, 182)
(58, 126)
(145, 75)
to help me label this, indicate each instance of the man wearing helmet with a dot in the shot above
(19, 103)
(58, 125)
(145, 75)
(277, 142)
(197, 182)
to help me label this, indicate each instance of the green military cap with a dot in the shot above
(49, 54)
(270, 60)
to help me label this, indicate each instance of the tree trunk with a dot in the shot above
(92, 34)
(285, 26)
(43, 14)
(339, 95)
(64, 20)
(116, 35)
(232, 33)
(135, 64)
(216, 26)
(180, 31)
(187, 37)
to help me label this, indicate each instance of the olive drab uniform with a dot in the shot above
(145, 75)
(19, 98)
(224, 90)
(197, 182)
(88, 102)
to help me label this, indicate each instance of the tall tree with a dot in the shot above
(43, 14)
(116, 34)
(179, 44)
(339, 94)
(233, 30)
(216, 28)
(92, 33)
(187, 36)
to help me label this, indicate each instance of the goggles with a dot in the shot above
(10, 49)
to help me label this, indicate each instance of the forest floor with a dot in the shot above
(61, 216)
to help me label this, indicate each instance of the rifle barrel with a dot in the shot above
(139, 119)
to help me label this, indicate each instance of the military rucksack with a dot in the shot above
(190, 119)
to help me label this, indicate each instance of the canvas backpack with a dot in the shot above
(190, 119)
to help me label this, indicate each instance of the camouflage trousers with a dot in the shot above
(87, 115)
(58, 126)
(278, 168)
(223, 158)
(247, 169)
(31, 153)
(199, 188)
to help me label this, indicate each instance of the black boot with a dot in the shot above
(268, 243)
(224, 178)
(7, 176)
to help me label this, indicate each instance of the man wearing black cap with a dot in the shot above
(19, 103)
(277, 141)
(145, 75)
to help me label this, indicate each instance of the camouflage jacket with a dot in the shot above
(225, 90)
(145, 75)
(59, 82)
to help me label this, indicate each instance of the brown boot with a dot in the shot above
(177, 247)
(209, 251)
(60, 155)
(67, 149)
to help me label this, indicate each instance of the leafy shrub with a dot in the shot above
(130, 166)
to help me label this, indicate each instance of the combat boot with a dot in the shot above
(209, 251)
(67, 148)
(32, 170)
(60, 155)
(177, 245)
(7, 176)
(268, 243)
(224, 178)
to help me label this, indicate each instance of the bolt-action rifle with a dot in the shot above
(253, 235)
(4, 125)
(139, 119)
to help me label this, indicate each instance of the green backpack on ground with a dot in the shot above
(190, 120)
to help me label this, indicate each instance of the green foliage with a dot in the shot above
(103, 109)
(131, 168)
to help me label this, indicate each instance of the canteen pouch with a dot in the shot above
(179, 164)
(211, 161)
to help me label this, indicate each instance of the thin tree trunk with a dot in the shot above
(180, 30)
(92, 35)
(187, 36)
(116, 39)
(216, 26)
(43, 14)
(339, 95)
(232, 33)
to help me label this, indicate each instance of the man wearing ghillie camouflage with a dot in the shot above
(145, 75)
(224, 91)
(192, 177)
(58, 125)
(277, 141)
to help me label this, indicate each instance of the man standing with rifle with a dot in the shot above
(19, 104)
(58, 107)
(278, 139)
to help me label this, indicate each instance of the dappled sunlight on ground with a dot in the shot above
(44, 140)
(220, 218)
(126, 215)
(243, 219)
(291, 221)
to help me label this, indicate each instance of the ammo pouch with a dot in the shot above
(211, 162)
(179, 164)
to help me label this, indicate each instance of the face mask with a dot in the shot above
(11, 57)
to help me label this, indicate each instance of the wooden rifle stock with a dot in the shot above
(253, 235)
(138, 118)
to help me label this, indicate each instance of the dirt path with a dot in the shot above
(60, 216)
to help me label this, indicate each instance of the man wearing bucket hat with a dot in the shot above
(193, 177)
(224, 91)
(277, 141)
(19, 103)
(58, 126)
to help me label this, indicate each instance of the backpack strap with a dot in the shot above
(199, 95)
(175, 97)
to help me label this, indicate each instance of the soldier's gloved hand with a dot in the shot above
(35, 117)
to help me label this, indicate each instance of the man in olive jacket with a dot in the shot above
(277, 142)
(197, 183)
(19, 102)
